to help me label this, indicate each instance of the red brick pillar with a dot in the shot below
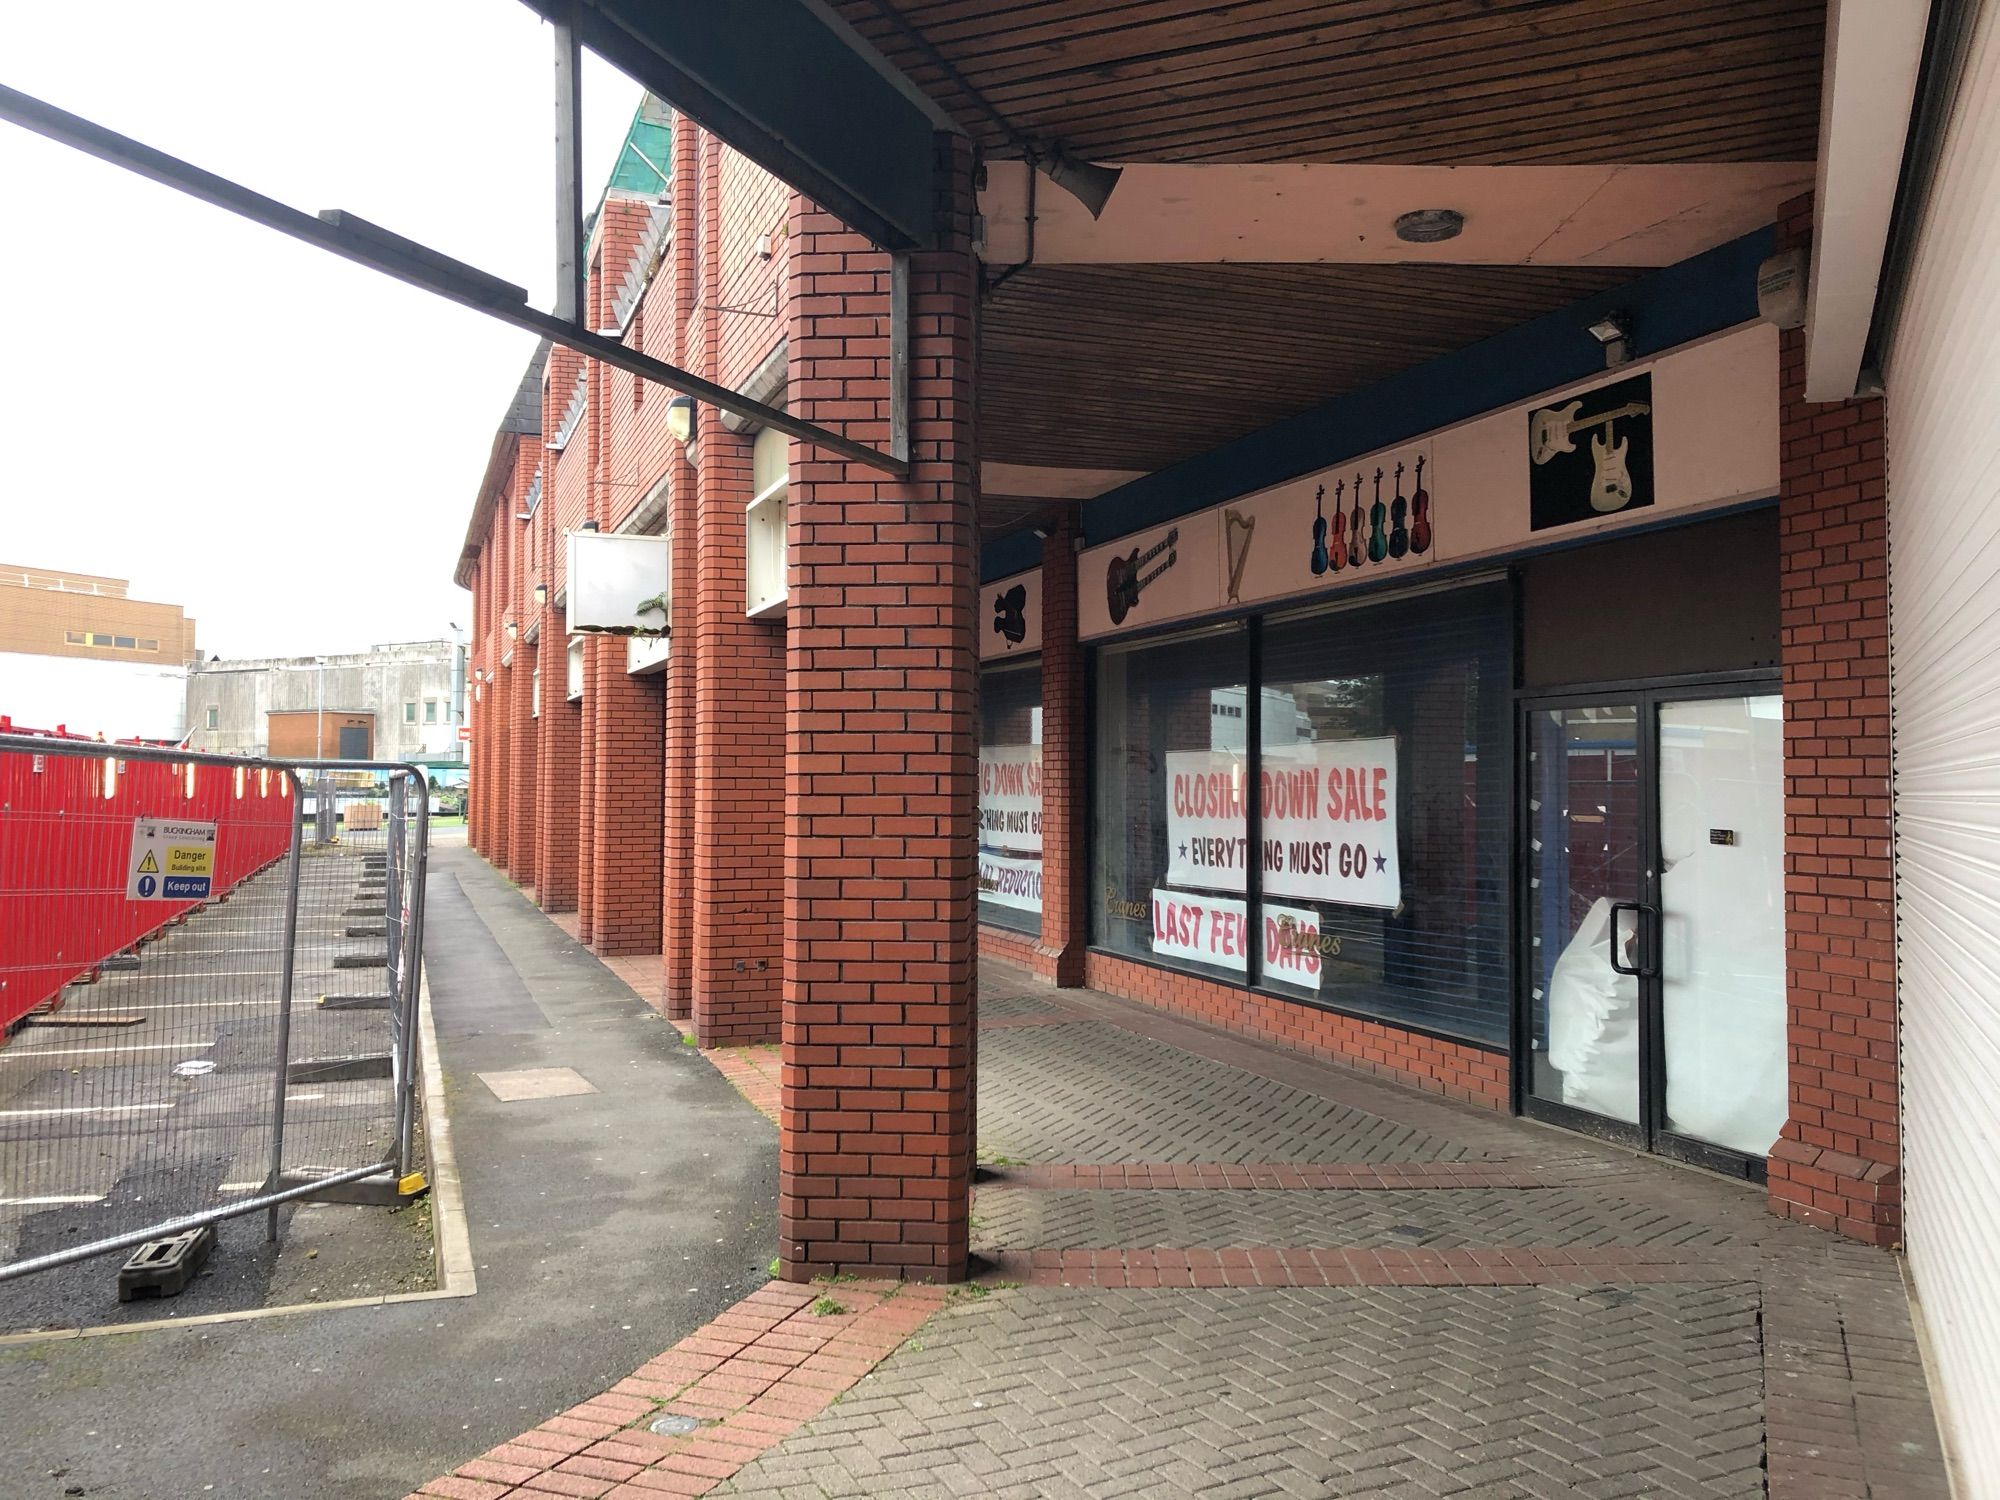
(1065, 910)
(627, 804)
(556, 773)
(683, 650)
(881, 806)
(1838, 1162)
(523, 768)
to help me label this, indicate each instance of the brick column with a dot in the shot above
(627, 804)
(881, 808)
(1838, 1162)
(1065, 853)
(556, 771)
(523, 769)
(684, 650)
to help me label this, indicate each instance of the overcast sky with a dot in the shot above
(282, 442)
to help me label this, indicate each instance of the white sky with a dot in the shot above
(282, 442)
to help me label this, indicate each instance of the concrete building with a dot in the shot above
(76, 650)
(1400, 567)
(399, 702)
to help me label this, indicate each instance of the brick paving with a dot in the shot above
(1208, 1267)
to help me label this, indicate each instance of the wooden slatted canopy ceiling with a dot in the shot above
(1436, 81)
(1139, 367)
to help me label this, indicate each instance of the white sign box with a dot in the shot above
(1010, 616)
(1329, 822)
(610, 576)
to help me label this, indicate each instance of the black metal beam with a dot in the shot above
(356, 239)
(781, 86)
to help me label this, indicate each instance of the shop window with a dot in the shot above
(573, 676)
(535, 694)
(1376, 742)
(1010, 796)
(1383, 810)
(1169, 771)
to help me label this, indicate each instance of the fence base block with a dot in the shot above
(163, 1268)
(357, 1002)
(385, 1191)
(340, 1069)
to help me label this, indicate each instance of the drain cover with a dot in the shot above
(674, 1426)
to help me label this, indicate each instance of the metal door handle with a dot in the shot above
(1638, 910)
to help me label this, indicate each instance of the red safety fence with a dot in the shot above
(67, 822)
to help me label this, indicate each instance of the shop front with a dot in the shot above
(1467, 753)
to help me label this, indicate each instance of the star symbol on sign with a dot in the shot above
(1183, 854)
(1381, 863)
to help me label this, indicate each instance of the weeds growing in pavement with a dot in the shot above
(826, 1307)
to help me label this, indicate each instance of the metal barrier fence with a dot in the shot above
(209, 975)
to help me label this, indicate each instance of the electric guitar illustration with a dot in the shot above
(1010, 616)
(1237, 529)
(1337, 555)
(1420, 514)
(1319, 558)
(1354, 524)
(1399, 512)
(1378, 544)
(1553, 430)
(1127, 577)
(1610, 479)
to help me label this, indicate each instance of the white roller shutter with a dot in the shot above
(1943, 377)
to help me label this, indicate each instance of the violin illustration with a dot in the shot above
(1420, 514)
(1378, 543)
(1338, 554)
(1319, 560)
(1354, 525)
(1399, 510)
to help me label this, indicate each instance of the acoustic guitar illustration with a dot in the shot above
(1237, 529)
(1354, 525)
(1420, 514)
(1399, 519)
(1010, 614)
(1319, 558)
(1378, 542)
(1127, 577)
(1553, 430)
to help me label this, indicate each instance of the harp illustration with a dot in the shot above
(1236, 532)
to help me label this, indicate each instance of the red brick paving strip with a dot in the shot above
(752, 1377)
(1254, 1176)
(1270, 1266)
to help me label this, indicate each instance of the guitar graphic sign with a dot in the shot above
(1592, 455)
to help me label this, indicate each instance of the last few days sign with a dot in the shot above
(170, 861)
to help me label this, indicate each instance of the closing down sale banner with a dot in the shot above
(1328, 813)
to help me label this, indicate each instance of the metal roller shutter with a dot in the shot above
(1943, 378)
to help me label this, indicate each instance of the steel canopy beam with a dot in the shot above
(783, 87)
(356, 239)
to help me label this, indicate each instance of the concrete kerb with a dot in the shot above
(451, 1232)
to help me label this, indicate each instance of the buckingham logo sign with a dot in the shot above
(170, 861)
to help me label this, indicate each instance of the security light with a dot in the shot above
(541, 593)
(1614, 332)
(680, 418)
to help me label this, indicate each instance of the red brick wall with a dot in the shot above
(880, 874)
(679, 284)
(1838, 1162)
(1065, 770)
(1454, 1069)
(739, 758)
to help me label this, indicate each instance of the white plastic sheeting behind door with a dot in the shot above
(1943, 377)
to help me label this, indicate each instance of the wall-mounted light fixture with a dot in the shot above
(588, 526)
(1614, 332)
(513, 630)
(541, 593)
(680, 418)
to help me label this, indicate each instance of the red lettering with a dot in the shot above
(1382, 793)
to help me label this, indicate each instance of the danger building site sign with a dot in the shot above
(170, 861)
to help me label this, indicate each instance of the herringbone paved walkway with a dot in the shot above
(1625, 1328)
